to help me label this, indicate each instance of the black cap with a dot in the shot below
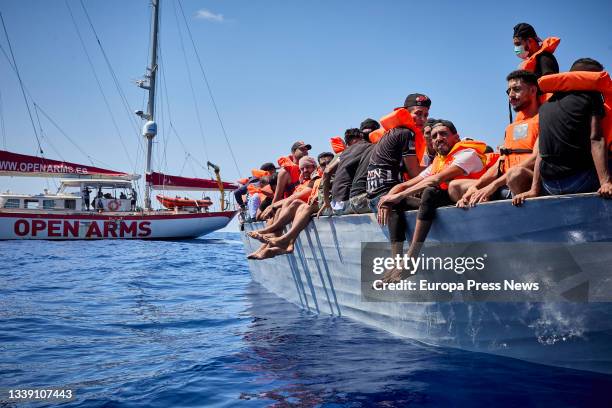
(325, 154)
(299, 144)
(268, 167)
(443, 122)
(524, 31)
(417, 99)
(369, 124)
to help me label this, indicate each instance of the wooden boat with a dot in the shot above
(323, 275)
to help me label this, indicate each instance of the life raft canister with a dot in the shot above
(519, 140)
(550, 44)
(442, 162)
(400, 117)
(337, 144)
(584, 81)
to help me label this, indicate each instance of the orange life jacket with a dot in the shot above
(550, 44)
(259, 173)
(303, 188)
(520, 138)
(288, 163)
(375, 135)
(337, 144)
(400, 117)
(262, 192)
(584, 81)
(243, 181)
(442, 162)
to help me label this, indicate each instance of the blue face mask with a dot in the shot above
(520, 52)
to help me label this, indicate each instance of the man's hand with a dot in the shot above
(389, 200)
(482, 195)
(605, 190)
(325, 206)
(383, 215)
(267, 212)
(519, 199)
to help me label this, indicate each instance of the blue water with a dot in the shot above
(173, 324)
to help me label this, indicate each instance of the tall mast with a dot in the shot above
(150, 128)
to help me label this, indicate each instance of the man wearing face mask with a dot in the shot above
(537, 55)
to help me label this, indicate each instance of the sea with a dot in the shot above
(181, 324)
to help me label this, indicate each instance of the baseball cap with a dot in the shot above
(299, 145)
(369, 124)
(524, 31)
(417, 99)
(267, 167)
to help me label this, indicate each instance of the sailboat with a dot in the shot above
(98, 203)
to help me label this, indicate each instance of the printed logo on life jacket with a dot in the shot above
(520, 131)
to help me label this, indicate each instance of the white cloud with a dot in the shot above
(209, 15)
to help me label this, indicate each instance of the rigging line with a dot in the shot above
(42, 135)
(2, 123)
(193, 95)
(164, 97)
(41, 110)
(184, 163)
(206, 169)
(115, 80)
(8, 41)
(229, 146)
(167, 99)
(95, 74)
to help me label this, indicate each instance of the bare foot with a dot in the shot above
(257, 254)
(257, 235)
(276, 241)
(395, 275)
(272, 251)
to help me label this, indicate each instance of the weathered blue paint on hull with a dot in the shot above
(324, 276)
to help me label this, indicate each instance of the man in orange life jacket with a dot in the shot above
(282, 212)
(273, 244)
(573, 156)
(514, 173)
(288, 175)
(537, 55)
(455, 159)
(244, 183)
(397, 146)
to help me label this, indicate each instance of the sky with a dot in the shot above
(280, 71)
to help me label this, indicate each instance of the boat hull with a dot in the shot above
(323, 275)
(157, 225)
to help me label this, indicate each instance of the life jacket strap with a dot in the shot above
(506, 151)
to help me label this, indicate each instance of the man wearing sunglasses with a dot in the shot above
(514, 173)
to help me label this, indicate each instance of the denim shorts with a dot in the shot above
(583, 182)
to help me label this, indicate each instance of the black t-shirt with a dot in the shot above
(384, 168)
(345, 172)
(361, 173)
(546, 64)
(565, 130)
